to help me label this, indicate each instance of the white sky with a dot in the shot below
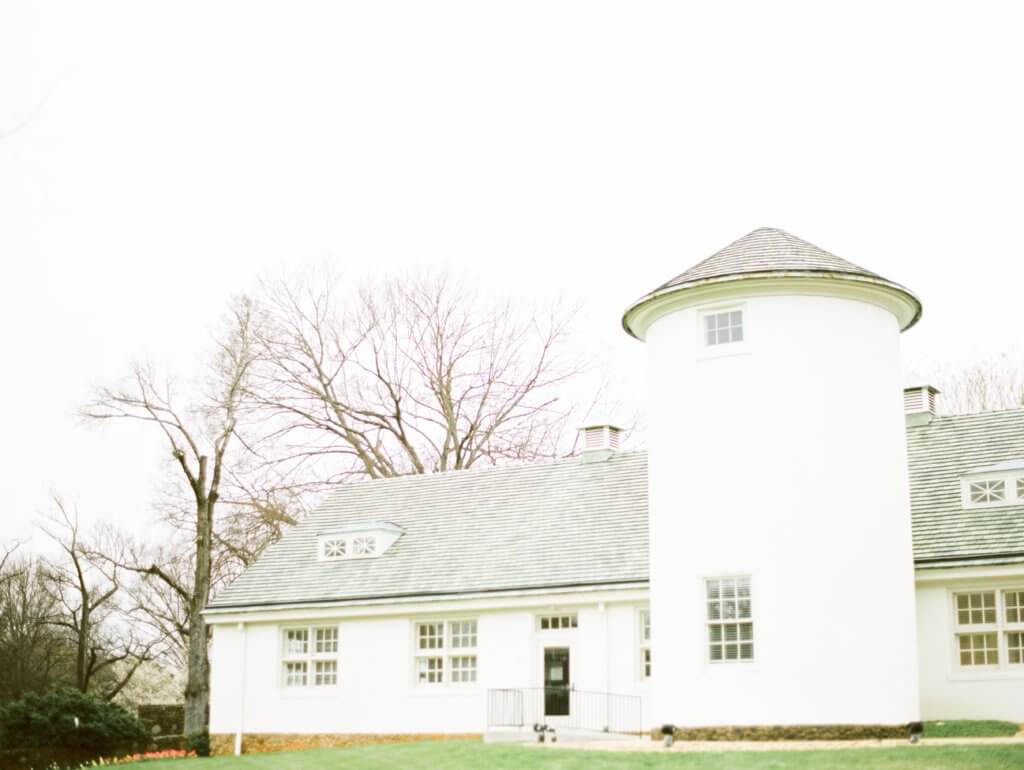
(156, 157)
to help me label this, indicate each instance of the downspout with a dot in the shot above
(607, 665)
(241, 695)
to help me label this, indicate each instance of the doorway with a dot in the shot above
(556, 681)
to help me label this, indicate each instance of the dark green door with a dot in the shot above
(556, 681)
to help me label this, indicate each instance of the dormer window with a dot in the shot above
(994, 485)
(989, 491)
(361, 541)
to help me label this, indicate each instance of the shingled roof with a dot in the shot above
(543, 525)
(767, 250)
(573, 523)
(941, 452)
(770, 253)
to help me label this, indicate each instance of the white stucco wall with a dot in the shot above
(949, 690)
(377, 692)
(785, 461)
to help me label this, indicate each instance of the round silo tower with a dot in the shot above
(782, 586)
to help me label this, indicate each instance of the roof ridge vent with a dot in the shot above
(600, 440)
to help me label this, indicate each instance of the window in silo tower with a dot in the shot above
(723, 328)
(730, 620)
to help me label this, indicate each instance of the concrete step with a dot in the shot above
(527, 735)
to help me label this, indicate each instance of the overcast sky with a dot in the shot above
(157, 157)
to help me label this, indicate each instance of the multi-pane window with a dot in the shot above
(430, 636)
(555, 622)
(729, 620)
(1013, 623)
(1015, 647)
(989, 627)
(310, 656)
(462, 633)
(296, 641)
(295, 674)
(326, 639)
(976, 609)
(445, 651)
(988, 491)
(978, 649)
(1014, 603)
(326, 672)
(723, 328)
(463, 668)
(645, 643)
(430, 670)
(364, 546)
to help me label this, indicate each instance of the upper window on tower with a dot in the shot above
(723, 328)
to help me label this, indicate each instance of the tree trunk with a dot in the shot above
(197, 688)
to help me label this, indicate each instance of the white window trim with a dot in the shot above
(446, 652)
(311, 657)
(706, 351)
(643, 644)
(1002, 670)
(708, 622)
(1011, 489)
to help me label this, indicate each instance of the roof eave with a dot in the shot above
(907, 320)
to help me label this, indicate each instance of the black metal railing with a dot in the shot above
(565, 707)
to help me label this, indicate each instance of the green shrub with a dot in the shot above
(48, 721)
(199, 743)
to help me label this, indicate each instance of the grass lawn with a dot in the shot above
(469, 755)
(969, 728)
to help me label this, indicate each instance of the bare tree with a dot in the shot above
(155, 606)
(7, 556)
(89, 592)
(415, 375)
(985, 386)
(34, 653)
(199, 432)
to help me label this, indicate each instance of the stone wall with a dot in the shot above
(259, 743)
(787, 733)
(167, 719)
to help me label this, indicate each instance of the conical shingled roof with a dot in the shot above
(767, 249)
(768, 253)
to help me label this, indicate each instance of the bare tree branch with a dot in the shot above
(413, 376)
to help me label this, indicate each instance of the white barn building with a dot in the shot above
(798, 546)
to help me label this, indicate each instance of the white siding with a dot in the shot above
(949, 691)
(785, 461)
(377, 692)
